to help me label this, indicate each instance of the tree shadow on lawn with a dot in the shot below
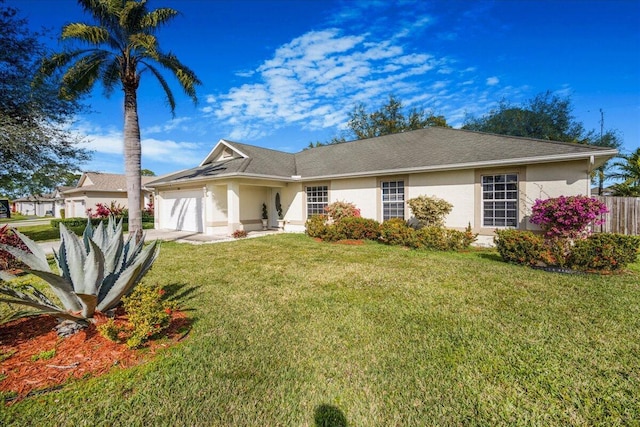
(491, 256)
(329, 416)
(179, 292)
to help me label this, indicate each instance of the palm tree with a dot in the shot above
(629, 168)
(120, 48)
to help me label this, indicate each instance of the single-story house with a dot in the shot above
(41, 205)
(491, 180)
(98, 187)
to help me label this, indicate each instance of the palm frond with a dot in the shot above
(86, 33)
(187, 78)
(131, 16)
(165, 86)
(81, 76)
(158, 17)
(111, 76)
(147, 44)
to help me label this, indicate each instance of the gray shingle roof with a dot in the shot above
(106, 182)
(433, 148)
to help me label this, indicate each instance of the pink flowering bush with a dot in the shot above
(567, 218)
(104, 211)
(339, 210)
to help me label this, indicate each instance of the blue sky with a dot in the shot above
(281, 74)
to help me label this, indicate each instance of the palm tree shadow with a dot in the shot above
(329, 416)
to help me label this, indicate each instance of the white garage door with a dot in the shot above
(182, 210)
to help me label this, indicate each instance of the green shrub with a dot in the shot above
(62, 213)
(395, 231)
(147, 313)
(604, 252)
(356, 228)
(522, 247)
(443, 239)
(316, 226)
(429, 211)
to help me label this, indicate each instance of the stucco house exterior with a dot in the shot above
(98, 187)
(491, 180)
(42, 205)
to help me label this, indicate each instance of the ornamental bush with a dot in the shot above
(339, 210)
(604, 252)
(522, 247)
(567, 217)
(357, 228)
(316, 226)
(429, 211)
(395, 231)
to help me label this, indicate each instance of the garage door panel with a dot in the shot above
(182, 210)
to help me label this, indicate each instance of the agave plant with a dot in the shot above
(96, 271)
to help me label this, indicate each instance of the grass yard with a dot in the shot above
(292, 332)
(44, 232)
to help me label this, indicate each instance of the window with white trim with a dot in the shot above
(392, 199)
(317, 199)
(500, 200)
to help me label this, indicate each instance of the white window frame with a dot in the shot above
(393, 200)
(317, 199)
(499, 200)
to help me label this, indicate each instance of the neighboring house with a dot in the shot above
(97, 187)
(491, 180)
(42, 205)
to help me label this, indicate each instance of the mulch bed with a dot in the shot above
(84, 354)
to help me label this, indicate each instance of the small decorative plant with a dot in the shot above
(265, 215)
(96, 271)
(279, 207)
(239, 234)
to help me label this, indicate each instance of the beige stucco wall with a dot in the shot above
(91, 199)
(456, 187)
(360, 191)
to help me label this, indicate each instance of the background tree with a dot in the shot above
(36, 146)
(549, 117)
(389, 119)
(121, 47)
(147, 172)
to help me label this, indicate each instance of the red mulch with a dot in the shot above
(86, 353)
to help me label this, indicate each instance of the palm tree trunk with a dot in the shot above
(132, 164)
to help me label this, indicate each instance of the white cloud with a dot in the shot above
(492, 81)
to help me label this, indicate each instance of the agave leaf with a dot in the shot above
(129, 277)
(35, 299)
(31, 260)
(112, 254)
(93, 271)
(75, 256)
(62, 288)
(146, 266)
(6, 276)
(89, 303)
(36, 250)
(87, 234)
(100, 236)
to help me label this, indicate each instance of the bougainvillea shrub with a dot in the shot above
(8, 237)
(339, 210)
(567, 217)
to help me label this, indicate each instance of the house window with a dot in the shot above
(500, 200)
(392, 199)
(317, 200)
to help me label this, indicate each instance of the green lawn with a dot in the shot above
(44, 232)
(287, 330)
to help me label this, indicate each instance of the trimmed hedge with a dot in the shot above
(443, 239)
(78, 222)
(604, 252)
(598, 252)
(521, 247)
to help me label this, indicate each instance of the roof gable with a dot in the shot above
(223, 151)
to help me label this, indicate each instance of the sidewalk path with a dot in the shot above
(171, 236)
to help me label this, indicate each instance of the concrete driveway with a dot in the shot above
(171, 236)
